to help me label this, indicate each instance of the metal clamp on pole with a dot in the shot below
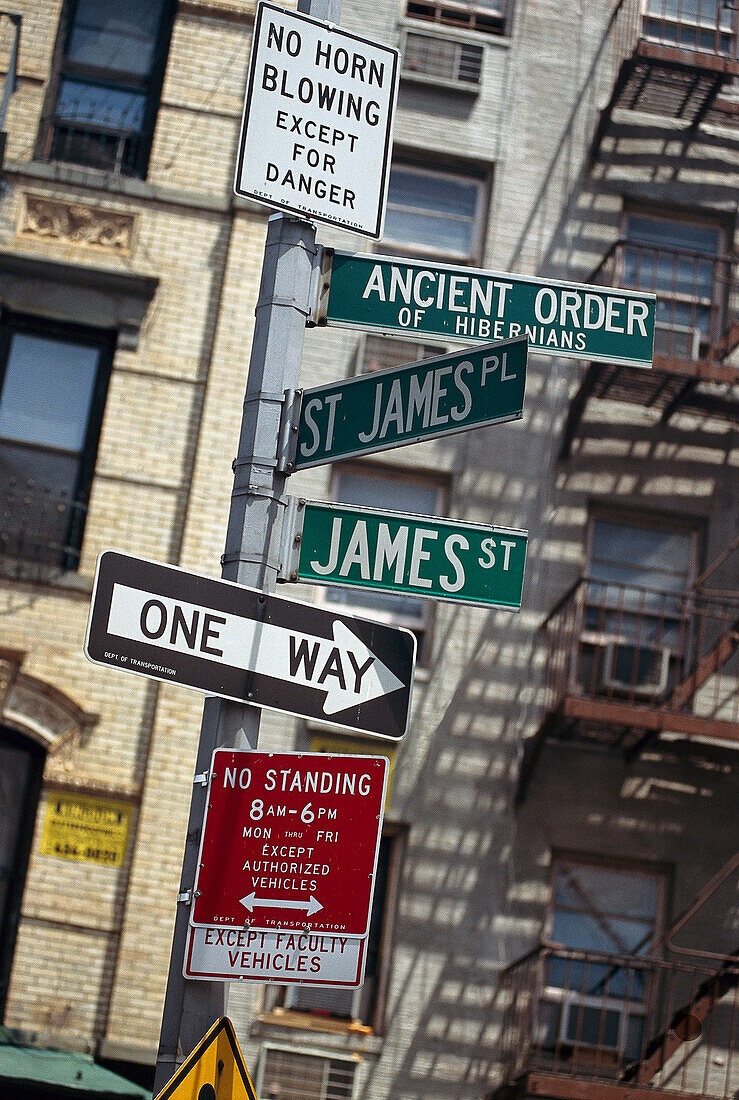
(320, 287)
(287, 443)
(292, 533)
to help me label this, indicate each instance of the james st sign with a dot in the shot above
(406, 555)
(412, 298)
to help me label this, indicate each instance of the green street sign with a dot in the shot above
(401, 405)
(405, 555)
(412, 298)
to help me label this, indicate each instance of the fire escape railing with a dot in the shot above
(642, 647)
(641, 1022)
(696, 296)
(708, 26)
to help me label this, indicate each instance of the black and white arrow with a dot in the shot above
(343, 667)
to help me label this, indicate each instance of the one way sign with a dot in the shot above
(225, 639)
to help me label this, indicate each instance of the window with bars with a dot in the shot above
(484, 16)
(679, 260)
(595, 993)
(105, 90)
(633, 635)
(299, 1075)
(53, 383)
(439, 60)
(694, 24)
(433, 213)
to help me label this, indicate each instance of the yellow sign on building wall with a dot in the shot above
(86, 828)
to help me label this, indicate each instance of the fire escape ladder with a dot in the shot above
(685, 1023)
(711, 661)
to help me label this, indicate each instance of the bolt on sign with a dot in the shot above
(403, 554)
(290, 843)
(401, 405)
(317, 126)
(411, 297)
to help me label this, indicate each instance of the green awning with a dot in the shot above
(37, 1072)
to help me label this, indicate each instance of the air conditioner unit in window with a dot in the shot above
(440, 60)
(285, 1072)
(595, 1026)
(676, 341)
(640, 670)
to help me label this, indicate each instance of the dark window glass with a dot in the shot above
(108, 84)
(52, 388)
(21, 765)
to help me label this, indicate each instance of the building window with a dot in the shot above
(485, 16)
(383, 352)
(681, 261)
(21, 768)
(53, 382)
(634, 634)
(395, 492)
(365, 1004)
(696, 25)
(108, 78)
(432, 213)
(602, 920)
(284, 1072)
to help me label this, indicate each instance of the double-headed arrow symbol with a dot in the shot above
(251, 900)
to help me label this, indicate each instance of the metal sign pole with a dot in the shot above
(252, 548)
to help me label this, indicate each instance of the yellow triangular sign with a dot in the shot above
(214, 1071)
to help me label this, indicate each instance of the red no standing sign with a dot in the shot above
(290, 841)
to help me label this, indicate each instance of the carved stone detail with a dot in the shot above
(76, 223)
(41, 711)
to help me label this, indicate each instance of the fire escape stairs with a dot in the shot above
(713, 660)
(685, 1023)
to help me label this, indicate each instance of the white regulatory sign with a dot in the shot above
(290, 958)
(318, 118)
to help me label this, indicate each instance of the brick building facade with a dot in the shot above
(555, 881)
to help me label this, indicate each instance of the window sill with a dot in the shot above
(426, 80)
(28, 573)
(283, 1019)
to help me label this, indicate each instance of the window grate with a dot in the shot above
(443, 59)
(306, 1076)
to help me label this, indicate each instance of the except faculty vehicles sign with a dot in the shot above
(290, 841)
(242, 644)
(383, 294)
(317, 126)
(290, 958)
(409, 404)
(333, 543)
